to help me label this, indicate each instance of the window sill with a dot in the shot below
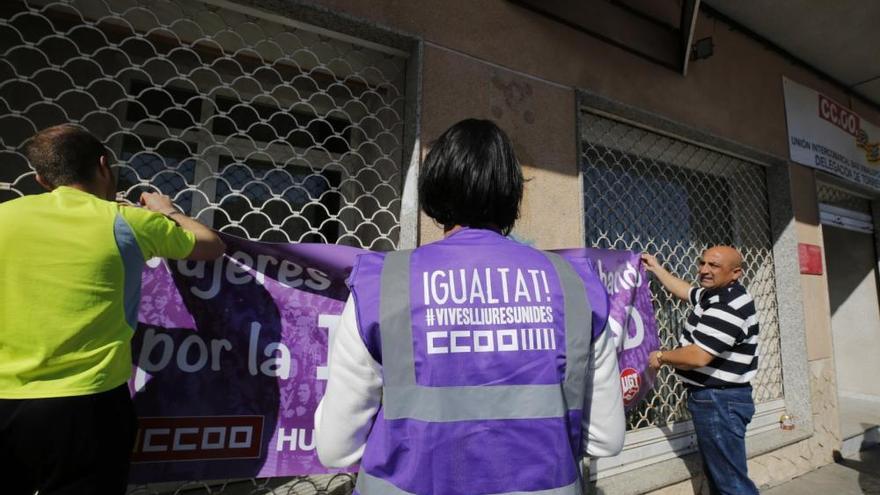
(656, 457)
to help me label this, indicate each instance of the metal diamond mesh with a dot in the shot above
(337, 484)
(256, 127)
(644, 191)
(834, 196)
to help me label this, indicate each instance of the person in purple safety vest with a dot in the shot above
(475, 364)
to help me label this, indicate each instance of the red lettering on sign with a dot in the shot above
(198, 438)
(839, 115)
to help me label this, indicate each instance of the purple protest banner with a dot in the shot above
(630, 319)
(229, 360)
(230, 356)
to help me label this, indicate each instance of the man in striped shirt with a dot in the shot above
(716, 359)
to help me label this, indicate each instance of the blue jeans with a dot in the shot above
(720, 418)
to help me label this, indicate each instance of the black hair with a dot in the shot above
(471, 177)
(65, 154)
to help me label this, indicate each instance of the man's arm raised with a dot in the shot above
(208, 244)
(678, 287)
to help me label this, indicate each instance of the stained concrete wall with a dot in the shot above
(736, 93)
(539, 118)
(471, 48)
(815, 287)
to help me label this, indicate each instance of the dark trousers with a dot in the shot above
(67, 445)
(720, 418)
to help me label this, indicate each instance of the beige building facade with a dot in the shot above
(536, 77)
(620, 151)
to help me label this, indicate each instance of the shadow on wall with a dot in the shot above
(849, 257)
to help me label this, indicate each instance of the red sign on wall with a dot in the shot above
(810, 257)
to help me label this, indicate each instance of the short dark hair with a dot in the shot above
(65, 154)
(471, 177)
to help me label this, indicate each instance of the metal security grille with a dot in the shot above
(337, 484)
(834, 196)
(257, 126)
(260, 128)
(644, 191)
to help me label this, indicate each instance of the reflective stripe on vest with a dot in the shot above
(404, 398)
(369, 484)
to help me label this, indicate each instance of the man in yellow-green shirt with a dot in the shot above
(70, 275)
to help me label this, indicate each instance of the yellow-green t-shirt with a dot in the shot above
(70, 277)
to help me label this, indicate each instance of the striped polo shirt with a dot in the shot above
(724, 323)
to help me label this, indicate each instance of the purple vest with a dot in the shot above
(484, 344)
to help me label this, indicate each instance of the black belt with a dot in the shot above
(690, 388)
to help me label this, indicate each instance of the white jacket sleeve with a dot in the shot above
(604, 423)
(354, 391)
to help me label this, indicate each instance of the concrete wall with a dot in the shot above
(498, 60)
(855, 319)
(540, 119)
(806, 211)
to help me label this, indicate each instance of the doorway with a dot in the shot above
(851, 263)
